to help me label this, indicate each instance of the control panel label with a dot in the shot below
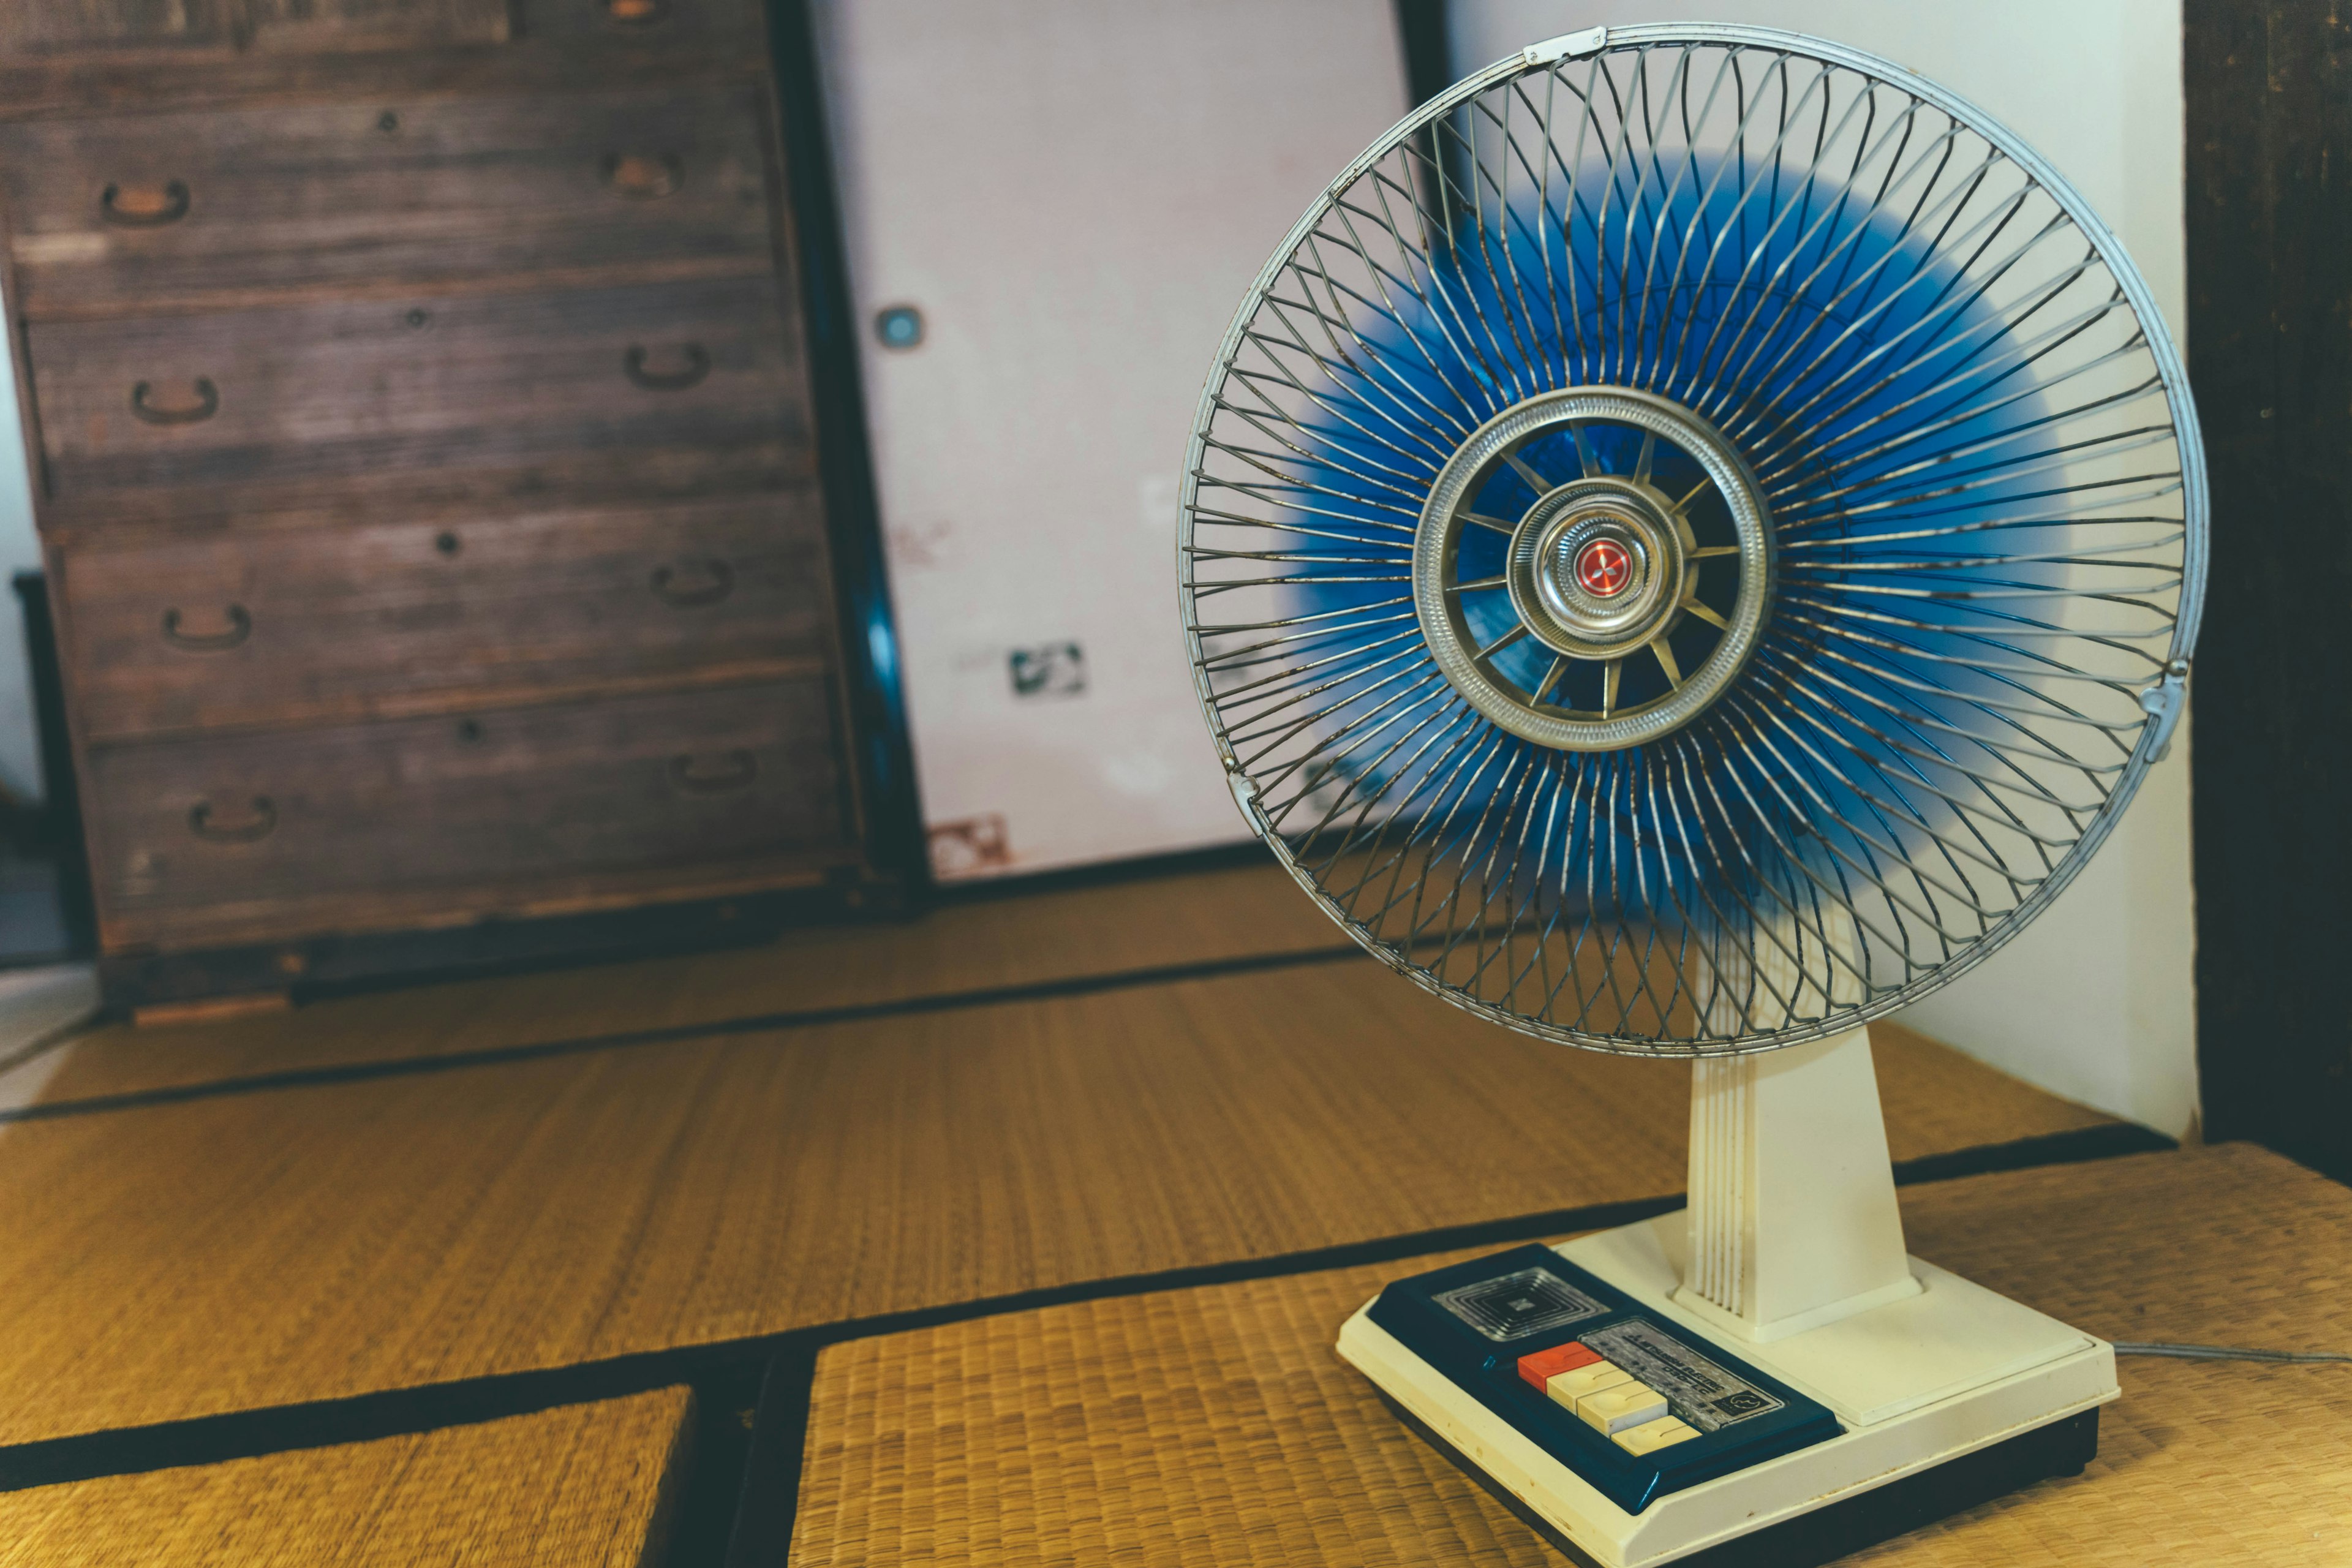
(1697, 1390)
(1527, 1302)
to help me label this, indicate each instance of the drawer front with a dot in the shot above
(317, 820)
(590, 391)
(142, 213)
(729, 29)
(334, 25)
(320, 625)
(57, 27)
(74, 26)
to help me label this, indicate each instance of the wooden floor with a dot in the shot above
(1217, 1425)
(589, 1486)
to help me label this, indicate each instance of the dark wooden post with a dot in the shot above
(2269, 85)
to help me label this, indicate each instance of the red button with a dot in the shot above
(1603, 568)
(1544, 1365)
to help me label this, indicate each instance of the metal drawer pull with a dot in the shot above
(144, 206)
(697, 366)
(642, 178)
(207, 404)
(741, 768)
(264, 818)
(721, 584)
(240, 626)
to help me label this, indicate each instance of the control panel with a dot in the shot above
(1635, 1406)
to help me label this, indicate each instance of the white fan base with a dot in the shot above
(1915, 1382)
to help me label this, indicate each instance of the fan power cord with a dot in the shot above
(2226, 1352)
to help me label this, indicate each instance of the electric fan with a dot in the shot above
(1690, 543)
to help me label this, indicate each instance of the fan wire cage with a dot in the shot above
(1691, 540)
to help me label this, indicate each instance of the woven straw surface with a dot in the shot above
(308, 1244)
(1217, 1425)
(1016, 939)
(583, 1487)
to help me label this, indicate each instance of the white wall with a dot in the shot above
(1076, 194)
(2095, 1001)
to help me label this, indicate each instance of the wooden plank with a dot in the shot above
(221, 838)
(334, 26)
(90, 26)
(583, 1486)
(1216, 1425)
(319, 1242)
(224, 26)
(2270, 350)
(225, 629)
(69, 59)
(179, 29)
(148, 214)
(575, 388)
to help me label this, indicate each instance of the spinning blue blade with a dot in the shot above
(1950, 399)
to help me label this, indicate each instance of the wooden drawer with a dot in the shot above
(279, 627)
(210, 30)
(520, 810)
(145, 213)
(725, 28)
(656, 388)
(47, 27)
(44, 27)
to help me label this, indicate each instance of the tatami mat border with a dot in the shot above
(391, 1413)
(630, 1039)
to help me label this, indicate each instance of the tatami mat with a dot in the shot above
(313, 1243)
(1014, 939)
(1217, 1425)
(583, 1487)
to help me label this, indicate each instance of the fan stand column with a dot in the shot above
(1792, 1216)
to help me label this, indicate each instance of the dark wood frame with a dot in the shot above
(2269, 125)
(869, 627)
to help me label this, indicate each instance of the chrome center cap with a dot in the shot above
(1596, 568)
(1621, 625)
(1603, 568)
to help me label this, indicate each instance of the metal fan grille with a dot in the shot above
(1985, 530)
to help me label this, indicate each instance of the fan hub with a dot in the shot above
(1597, 569)
(1622, 624)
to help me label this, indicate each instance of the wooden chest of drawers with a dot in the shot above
(418, 394)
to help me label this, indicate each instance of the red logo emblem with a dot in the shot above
(1603, 568)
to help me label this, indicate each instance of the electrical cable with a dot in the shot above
(2226, 1352)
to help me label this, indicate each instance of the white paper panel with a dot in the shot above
(1075, 195)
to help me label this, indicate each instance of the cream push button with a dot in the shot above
(1568, 1387)
(1623, 1404)
(1651, 1435)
